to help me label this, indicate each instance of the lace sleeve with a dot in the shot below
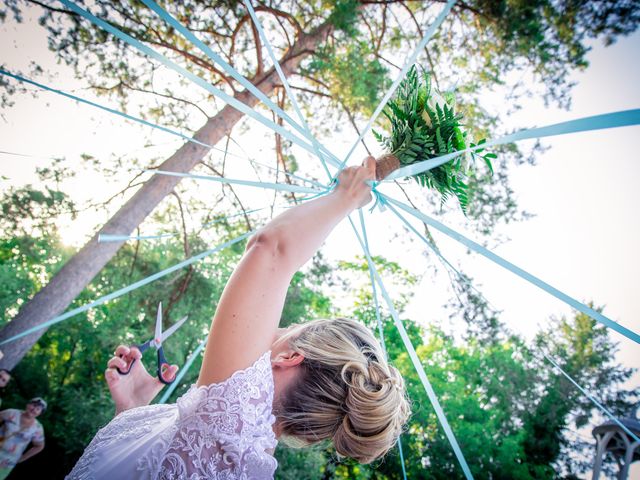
(224, 429)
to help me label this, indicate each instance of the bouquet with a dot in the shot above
(424, 125)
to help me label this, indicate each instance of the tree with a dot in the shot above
(82, 268)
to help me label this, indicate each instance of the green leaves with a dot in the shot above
(424, 125)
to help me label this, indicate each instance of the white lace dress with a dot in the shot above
(221, 431)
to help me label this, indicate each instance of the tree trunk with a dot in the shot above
(76, 274)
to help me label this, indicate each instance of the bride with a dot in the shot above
(316, 381)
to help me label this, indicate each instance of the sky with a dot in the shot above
(583, 191)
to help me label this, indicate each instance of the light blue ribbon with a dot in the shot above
(283, 187)
(183, 371)
(283, 79)
(144, 122)
(433, 248)
(593, 400)
(105, 237)
(380, 201)
(102, 107)
(186, 33)
(623, 118)
(122, 291)
(416, 361)
(411, 59)
(517, 270)
(235, 103)
(379, 322)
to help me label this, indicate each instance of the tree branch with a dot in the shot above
(244, 210)
(420, 32)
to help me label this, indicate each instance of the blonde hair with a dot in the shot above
(346, 392)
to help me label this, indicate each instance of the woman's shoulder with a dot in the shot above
(10, 414)
(229, 424)
(251, 385)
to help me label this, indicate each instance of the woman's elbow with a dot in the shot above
(268, 241)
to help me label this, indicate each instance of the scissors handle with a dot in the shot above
(163, 367)
(142, 349)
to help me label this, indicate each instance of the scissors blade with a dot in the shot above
(173, 328)
(158, 337)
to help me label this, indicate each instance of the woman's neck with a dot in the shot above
(26, 416)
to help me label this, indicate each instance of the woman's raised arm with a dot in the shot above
(250, 307)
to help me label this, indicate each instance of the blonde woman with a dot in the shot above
(321, 380)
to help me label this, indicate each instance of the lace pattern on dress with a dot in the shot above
(223, 431)
(129, 426)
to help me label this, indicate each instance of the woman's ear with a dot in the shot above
(287, 358)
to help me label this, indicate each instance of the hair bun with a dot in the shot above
(375, 411)
(346, 391)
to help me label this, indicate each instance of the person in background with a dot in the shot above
(18, 429)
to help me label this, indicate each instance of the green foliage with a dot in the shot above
(509, 410)
(422, 127)
(353, 75)
(344, 15)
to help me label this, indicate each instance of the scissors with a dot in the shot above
(156, 342)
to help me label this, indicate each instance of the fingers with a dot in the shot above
(117, 362)
(370, 164)
(170, 374)
(122, 351)
(135, 353)
(112, 376)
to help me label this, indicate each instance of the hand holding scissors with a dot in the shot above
(165, 374)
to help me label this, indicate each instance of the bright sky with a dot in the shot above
(583, 239)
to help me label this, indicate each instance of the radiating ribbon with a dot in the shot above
(285, 83)
(604, 409)
(411, 59)
(517, 270)
(141, 121)
(127, 289)
(235, 103)
(186, 33)
(284, 187)
(416, 361)
(374, 294)
(623, 118)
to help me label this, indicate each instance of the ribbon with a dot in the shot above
(623, 118)
(284, 187)
(379, 323)
(235, 103)
(127, 289)
(285, 82)
(186, 33)
(517, 271)
(416, 361)
(593, 400)
(411, 59)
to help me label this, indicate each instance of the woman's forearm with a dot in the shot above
(31, 452)
(299, 232)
